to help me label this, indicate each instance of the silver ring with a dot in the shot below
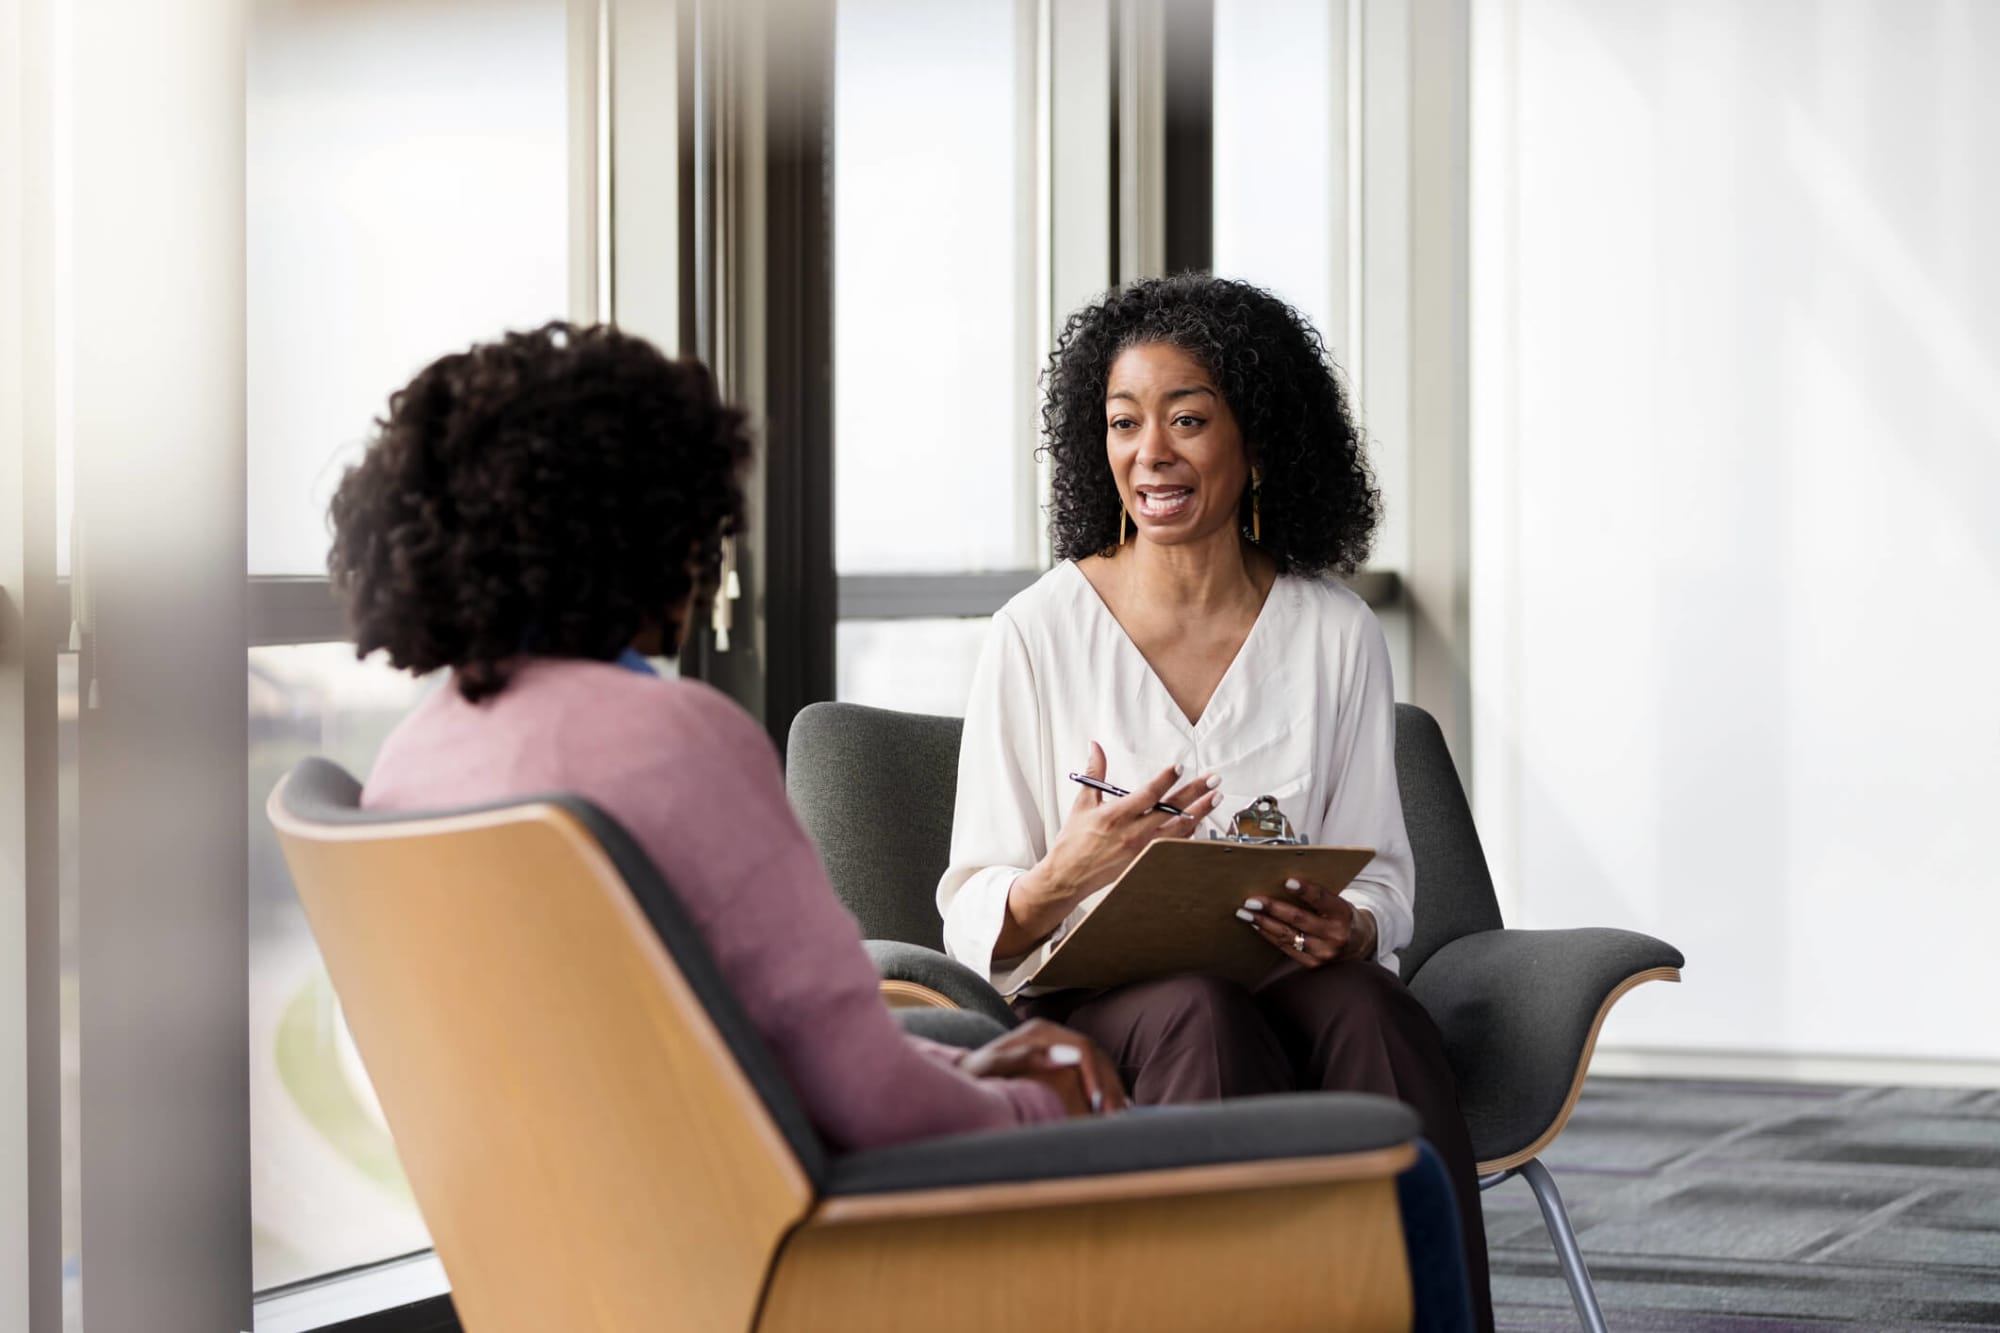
(1299, 941)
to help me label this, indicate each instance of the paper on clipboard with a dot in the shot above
(1173, 910)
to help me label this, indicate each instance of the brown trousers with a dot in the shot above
(1344, 1027)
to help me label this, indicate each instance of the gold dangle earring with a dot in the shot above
(1121, 525)
(1256, 518)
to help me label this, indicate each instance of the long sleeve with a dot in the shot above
(702, 792)
(1364, 806)
(998, 831)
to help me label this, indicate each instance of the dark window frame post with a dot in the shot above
(799, 589)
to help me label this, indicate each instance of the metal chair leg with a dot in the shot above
(1563, 1237)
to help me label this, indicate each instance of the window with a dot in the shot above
(1313, 170)
(407, 194)
(407, 179)
(1280, 156)
(933, 277)
(412, 182)
(326, 1191)
(919, 665)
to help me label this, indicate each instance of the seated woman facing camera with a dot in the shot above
(1206, 475)
(539, 513)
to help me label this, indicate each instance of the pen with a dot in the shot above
(1110, 790)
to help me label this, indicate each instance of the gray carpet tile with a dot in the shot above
(1741, 1208)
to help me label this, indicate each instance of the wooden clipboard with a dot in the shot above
(1174, 911)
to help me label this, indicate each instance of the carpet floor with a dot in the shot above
(1747, 1208)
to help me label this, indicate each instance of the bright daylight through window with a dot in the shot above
(407, 179)
(934, 419)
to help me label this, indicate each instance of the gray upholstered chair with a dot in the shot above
(1520, 1009)
(601, 1142)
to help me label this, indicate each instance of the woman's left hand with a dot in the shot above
(1322, 927)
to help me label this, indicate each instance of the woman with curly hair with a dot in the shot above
(1207, 475)
(537, 515)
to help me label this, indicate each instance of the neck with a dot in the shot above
(1202, 576)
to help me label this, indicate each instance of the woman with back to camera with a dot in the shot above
(1206, 475)
(538, 514)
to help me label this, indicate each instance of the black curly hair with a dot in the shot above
(1319, 504)
(553, 492)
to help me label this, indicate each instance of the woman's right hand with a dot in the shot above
(1098, 840)
(1067, 1063)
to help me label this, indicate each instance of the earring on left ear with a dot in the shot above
(1256, 518)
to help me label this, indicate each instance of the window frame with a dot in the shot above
(1117, 179)
(730, 246)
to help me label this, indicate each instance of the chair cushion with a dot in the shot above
(1245, 1129)
(1516, 1008)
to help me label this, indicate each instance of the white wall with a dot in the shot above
(1736, 506)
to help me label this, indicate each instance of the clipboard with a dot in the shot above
(1173, 910)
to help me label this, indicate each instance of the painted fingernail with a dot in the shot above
(1242, 915)
(1214, 781)
(1291, 884)
(1065, 1055)
(1096, 1101)
(1254, 904)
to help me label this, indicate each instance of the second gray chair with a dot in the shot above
(1520, 1009)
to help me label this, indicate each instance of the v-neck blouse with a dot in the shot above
(1305, 713)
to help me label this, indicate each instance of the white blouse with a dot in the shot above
(1305, 713)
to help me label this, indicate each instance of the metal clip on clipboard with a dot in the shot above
(1260, 822)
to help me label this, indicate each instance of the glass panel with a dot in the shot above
(1278, 109)
(917, 666)
(932, 402)
(326, 1191)
(407, 183)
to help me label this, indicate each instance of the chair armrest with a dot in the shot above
(952, 1027)
(1301, 1137)
(1520, 1010)
(954, 981)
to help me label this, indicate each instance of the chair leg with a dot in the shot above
(1563, 1236)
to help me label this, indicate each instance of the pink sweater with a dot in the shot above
(696, 783)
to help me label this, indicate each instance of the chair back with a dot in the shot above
(1454, 889)
(597, 1138)
(875, 789)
